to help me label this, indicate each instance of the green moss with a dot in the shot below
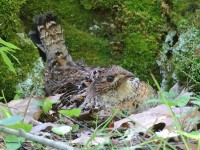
(103, 4)
(12, 31)
(185, 13)
(9, 21)
(91, 27)
(137, 25)
(142, 26)
(70, 11)
(93, 50)
(26, 56)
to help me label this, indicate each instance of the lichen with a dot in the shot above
(34, 81)
(179, 58)
(183, 64)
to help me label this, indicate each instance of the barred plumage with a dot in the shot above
(84, 87)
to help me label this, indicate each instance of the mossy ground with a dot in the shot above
(127, 33)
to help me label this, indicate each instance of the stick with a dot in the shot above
(35, 138)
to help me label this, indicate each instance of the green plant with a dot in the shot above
(8, 48)
(168, 98)
(13, 142)
(47, 105)
(72, 112)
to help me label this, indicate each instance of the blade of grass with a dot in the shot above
(171, 113)
(8, 44)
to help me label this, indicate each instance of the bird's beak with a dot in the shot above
(129, 75)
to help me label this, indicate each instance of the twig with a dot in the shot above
(28, 104)
(35, 138)
(77, 123)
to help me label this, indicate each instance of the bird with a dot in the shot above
(104, 88)
(60, 68)
(116, 88)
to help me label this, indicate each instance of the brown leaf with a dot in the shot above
(42, 126)
(84, 137)
(159, 114)
(19, 107)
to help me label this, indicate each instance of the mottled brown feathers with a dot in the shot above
(52, 39)
(108, 88)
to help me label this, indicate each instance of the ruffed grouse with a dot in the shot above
(104, 88)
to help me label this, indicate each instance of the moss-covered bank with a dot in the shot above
(123, 32)
(12, 30)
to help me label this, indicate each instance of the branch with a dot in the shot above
(35, 138)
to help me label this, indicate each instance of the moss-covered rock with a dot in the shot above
(12, 31)
(179, 59)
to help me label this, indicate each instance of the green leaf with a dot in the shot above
(73, 112)
(14, 57)
(7, 61)
(8, 44)
(193, 135)
(162, 101)
(14, 138)
(16, 97)
(13, 142)
(197, 102)
(5, 112)
(61, 130)
(13, 146)
(194, 120)
(75, 128)
(183, 100)
(38, 104)
(11, 120)
(47, 105)
(6, 49)
(26, 127)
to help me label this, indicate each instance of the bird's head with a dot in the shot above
(110, 79)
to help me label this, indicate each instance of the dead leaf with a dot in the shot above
(190, 145)
(159, 114)
(33, 113)
(55, 97)
(19, 106)
(42, 126)
(84, 137)
(166, 134)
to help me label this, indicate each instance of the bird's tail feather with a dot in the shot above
(51, 40)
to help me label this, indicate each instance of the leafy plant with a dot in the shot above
(8, 48)
(18, 94)
(196, 101)
(13, 142)
(62, 130)
(72, 112)
(47, 105)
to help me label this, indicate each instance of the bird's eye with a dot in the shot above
(110, 78)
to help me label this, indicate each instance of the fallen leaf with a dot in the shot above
(62, 130)
(38, 128)
(160, 114)
(84, 137)
(19, 107)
